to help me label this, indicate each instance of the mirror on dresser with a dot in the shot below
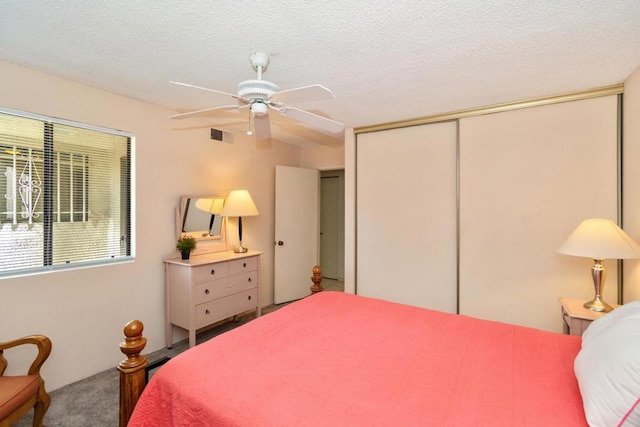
(199, 217)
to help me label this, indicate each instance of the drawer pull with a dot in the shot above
(244, 264)
(249, 297)
(206, 291)
(249, 279)
(207, 311)
(213, 271)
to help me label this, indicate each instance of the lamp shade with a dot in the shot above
(213, 206)
(600, 239)
(238, 204)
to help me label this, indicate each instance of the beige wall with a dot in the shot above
(631, 180)
(323, 157)
(83, 311)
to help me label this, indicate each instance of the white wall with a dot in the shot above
(84, 311)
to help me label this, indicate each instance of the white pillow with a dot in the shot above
(630, 309)
(608, 368)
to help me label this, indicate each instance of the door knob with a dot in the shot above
(280, 243)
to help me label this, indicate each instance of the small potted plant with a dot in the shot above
(186, 245)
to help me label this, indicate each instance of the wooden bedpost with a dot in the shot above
(132, 369)
(316, 279)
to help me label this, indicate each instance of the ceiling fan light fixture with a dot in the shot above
(259, 109)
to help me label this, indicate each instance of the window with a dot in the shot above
(23, 165)
(65, 194)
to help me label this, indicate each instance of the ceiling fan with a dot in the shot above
(261, 96)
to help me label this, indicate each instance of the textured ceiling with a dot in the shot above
(384, 60)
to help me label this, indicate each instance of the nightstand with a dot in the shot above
(576, 318)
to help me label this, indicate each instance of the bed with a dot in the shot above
(335, 359)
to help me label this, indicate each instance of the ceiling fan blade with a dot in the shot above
(313, 120)
(205, 111)
(301, 94)
(262, 127)
(209, 90)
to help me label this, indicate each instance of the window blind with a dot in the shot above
(66, 194)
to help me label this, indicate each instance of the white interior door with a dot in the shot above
(296, 231)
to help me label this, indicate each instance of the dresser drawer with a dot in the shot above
(211, 271)
(238, 266)
(222, 308)
(214, 289)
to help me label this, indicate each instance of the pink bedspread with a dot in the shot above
(336, 359)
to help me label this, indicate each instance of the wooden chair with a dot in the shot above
(18, 394)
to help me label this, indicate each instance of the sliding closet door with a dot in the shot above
(406, 215)
(527, 179)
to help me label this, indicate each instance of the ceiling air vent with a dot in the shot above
(221, 135)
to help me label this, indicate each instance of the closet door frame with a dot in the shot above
(351, 162)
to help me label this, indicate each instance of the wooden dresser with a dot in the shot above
(209, 288)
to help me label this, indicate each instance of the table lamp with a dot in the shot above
(213, 207)
(599, 239)
(238, 204)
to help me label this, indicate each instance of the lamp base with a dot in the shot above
(240, 249)
(598, 304)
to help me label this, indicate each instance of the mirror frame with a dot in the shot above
(203, 235)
